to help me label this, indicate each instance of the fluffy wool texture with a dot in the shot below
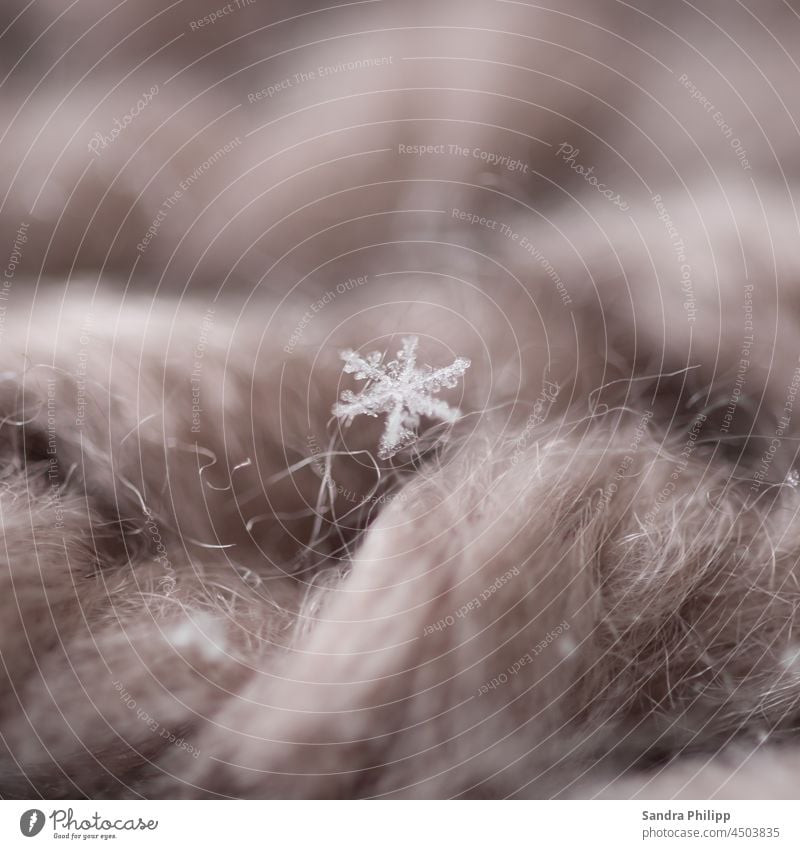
(529, 608)
(583, 585)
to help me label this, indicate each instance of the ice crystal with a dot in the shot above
(399, 389)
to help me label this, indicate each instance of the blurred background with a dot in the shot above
(317, 97)
(631, 162)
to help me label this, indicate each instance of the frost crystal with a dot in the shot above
(400, 389)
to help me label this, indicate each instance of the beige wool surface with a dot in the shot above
(585, 587)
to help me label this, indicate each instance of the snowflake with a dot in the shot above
(400, 389)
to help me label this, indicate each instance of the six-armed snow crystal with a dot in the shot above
(400, 389)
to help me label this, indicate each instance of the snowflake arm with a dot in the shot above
(399, 389)
(445, 378)
(368, 368)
